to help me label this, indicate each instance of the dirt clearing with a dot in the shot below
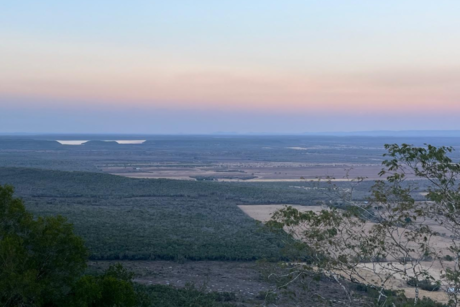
(263, 213)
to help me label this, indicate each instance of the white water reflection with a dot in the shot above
(80, 142)
(74, 142)
(130, 141)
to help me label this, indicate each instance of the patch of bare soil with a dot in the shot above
(263, 213)
(243, 171)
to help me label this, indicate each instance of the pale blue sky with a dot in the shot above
(323, 60)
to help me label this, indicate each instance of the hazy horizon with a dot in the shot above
(202, 67)
(130, 136)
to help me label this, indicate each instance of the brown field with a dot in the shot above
(263, 213)
(263, 171)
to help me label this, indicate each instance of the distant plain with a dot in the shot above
(180, 198)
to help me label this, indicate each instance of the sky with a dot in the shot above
(206, 66)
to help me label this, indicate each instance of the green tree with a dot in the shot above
(42, 263)
(40, 258)
(113, 288)
(441, 208)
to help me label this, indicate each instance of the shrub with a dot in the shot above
(424, 284)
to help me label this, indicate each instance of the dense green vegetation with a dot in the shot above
(42, 263)
(122, 218)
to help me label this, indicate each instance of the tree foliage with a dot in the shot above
(42, 263)
(392, 235)
(112, 288)
(40, 258)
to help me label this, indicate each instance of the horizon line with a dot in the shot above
(414, 133)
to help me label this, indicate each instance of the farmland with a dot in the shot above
(267, 158)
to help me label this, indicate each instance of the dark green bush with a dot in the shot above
(424, 284)
(42, 263)
(395, 298)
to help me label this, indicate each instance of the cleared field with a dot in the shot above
(268, 157)
(399, 284)
(251, 172)
(263, 213)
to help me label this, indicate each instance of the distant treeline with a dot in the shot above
(45, 152)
